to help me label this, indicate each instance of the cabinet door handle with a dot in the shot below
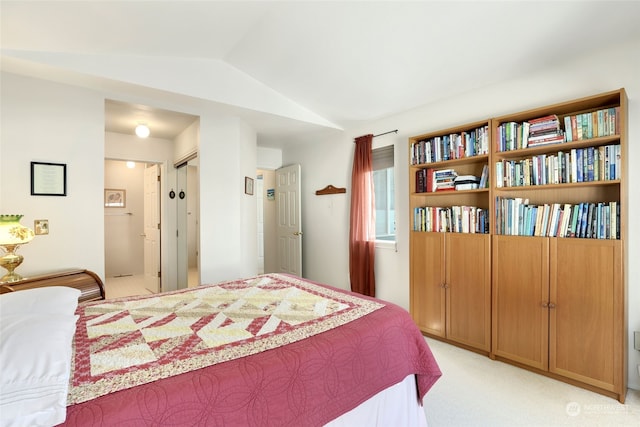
(545, 304)
(552, 305)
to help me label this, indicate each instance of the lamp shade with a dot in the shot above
(12, 232)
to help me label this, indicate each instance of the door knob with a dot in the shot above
(297, 233)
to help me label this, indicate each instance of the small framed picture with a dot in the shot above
(41, 226)
(114, 198)
(48, 179)
(248, 185)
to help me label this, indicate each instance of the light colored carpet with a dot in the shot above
(124, 286)
(476, 391)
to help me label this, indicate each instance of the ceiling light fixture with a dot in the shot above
(142, 130)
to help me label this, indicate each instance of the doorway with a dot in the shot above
(188, 232)
(173, 134)
(132, 254)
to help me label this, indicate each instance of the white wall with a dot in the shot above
(49, 122)
(249, 207)
(227, 215)
(328, 161)
(53, 122)
(269, 158)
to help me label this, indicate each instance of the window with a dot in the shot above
(383, 185)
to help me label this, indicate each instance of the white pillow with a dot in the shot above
(35, 350)
(45, 300)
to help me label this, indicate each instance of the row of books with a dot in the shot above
(589, 220)
(593, 124)
(548, 130)
(540, 131)
(455, 219)
(453, 146)
(577, 165)
(432, 180)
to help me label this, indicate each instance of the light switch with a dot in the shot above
(636, 340)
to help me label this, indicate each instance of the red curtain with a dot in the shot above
(362, 231)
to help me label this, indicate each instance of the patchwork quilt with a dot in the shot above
(127, 342)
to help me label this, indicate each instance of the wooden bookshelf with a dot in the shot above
(451, 271)
(550, 297)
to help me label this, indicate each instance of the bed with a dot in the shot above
(268, 350)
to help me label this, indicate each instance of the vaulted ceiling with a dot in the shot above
(294, 67)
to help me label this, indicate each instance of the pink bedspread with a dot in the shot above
(308, 382)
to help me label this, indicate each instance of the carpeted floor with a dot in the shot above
(476, 391)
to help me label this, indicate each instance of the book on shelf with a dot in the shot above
(568, 129)
(613, 220)
(484, 177)
(544, 119)
(589, 162)
(584, 212)
(566, 220)
(443, 180)
(466, 182)
(573, 221)
(545, 140)
(421, 181)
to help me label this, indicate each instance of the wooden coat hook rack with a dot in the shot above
(330, 189)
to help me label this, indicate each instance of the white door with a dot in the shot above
(152, 228)
(289, 232)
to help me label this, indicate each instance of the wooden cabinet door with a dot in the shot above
(427, 282)
(468, 285)
(520, 296)
(586, 315)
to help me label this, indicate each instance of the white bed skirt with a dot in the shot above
(395, 406)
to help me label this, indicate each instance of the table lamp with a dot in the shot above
(12, 235)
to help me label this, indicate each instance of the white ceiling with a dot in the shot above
(294, 67)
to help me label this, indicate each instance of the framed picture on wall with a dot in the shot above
(114, 198)
(248, 185)
(48, 179)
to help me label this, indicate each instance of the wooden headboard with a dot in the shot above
(86, 281)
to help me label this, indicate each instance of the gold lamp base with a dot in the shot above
(10, 261)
